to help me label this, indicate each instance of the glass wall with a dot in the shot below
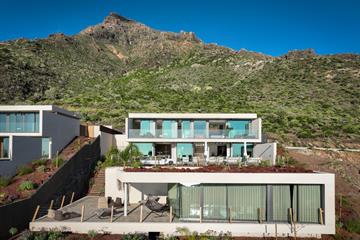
(16, 122)
(184, 149)
(247, 202)
(238, 128)
(186, 131)
(145, 148)
(190, 202)
(169, 129)
(4, 148)
(200, 129)
(214, 203)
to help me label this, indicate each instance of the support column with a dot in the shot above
(206, 151)
(125, 199)
(228, 150)
(245, 149)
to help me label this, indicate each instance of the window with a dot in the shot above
(190, 202)
(200, 129)
(186, 129)
(214, 205)
(281, 203)
(45, 147)
(184, 149)
(145, 148)
(247, 201)
(238, 128)
(147, 128)
(309, 203)
(19, 122)
(4, 148)
(169, 129)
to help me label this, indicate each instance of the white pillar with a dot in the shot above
(206, 151)
(228, 150)
(125, 199)
(245, 150)
(173, 152)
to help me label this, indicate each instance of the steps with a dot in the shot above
(98, 186)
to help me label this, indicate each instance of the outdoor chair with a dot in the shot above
(156, 207)
(117, 203)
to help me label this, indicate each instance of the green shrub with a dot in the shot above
(39, 162)
(4, 181)
(136, 164)
(13, 231)
(26, 235)
(26, 185)
(24, 169)
(55, 235)
(41, 236)
(134, 236)
(92, 234)
(41, 168)
(264, 163)
(352, 225)
(58, 161)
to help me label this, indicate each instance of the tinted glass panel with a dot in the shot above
(200, 129)
(45, 144)
(4, 147)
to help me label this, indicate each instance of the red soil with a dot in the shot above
(11, 192)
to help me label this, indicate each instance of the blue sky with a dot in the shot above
(269, 26)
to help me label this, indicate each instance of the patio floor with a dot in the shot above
(90, 206)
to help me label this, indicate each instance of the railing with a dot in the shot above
(197, 134)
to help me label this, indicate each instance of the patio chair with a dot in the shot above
(156, 207)
(117, 203)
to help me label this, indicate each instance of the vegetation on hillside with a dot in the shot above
(122, 66)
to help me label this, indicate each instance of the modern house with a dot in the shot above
(244, 201)
(29, 132)
(198, 137)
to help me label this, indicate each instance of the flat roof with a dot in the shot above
(194, 115)
(28, 108)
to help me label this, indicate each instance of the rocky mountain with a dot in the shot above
(121, 66)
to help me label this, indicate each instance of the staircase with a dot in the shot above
(98, 186)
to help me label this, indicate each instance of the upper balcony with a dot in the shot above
(193, 129)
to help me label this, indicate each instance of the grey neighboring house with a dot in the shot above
(29, 132)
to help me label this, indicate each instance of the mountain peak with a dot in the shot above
(114, 18)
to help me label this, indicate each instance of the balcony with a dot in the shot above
(194, 134)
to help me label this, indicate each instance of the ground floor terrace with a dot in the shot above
(205, 152)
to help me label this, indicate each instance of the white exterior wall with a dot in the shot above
(145, 179)
(265, 151)
(120, 141)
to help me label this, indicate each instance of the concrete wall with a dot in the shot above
(266, 151)
(73, 176)
(121, 141)
(61, 129)
(24, 151)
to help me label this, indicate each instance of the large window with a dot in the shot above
(19, 122)
(169, 129)
(247, 202)
(184, 150)
(145, 148)
(4, 148)
(238, 128)
(186, 131)
(200, 129)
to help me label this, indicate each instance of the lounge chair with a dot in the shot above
(156, 207)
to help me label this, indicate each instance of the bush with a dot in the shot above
(4, 181)
(58, 161)
(134, 236)
(24, 169)
(264, 163)
(55, 235)
(26, 235)
(352, 225)
(41, 236)
(39, 162)
(92, 234)
(13, 231)
(26, 185)
(41, 168)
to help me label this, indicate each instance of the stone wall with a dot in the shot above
(73, 176)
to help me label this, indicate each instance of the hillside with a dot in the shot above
(121, 66)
